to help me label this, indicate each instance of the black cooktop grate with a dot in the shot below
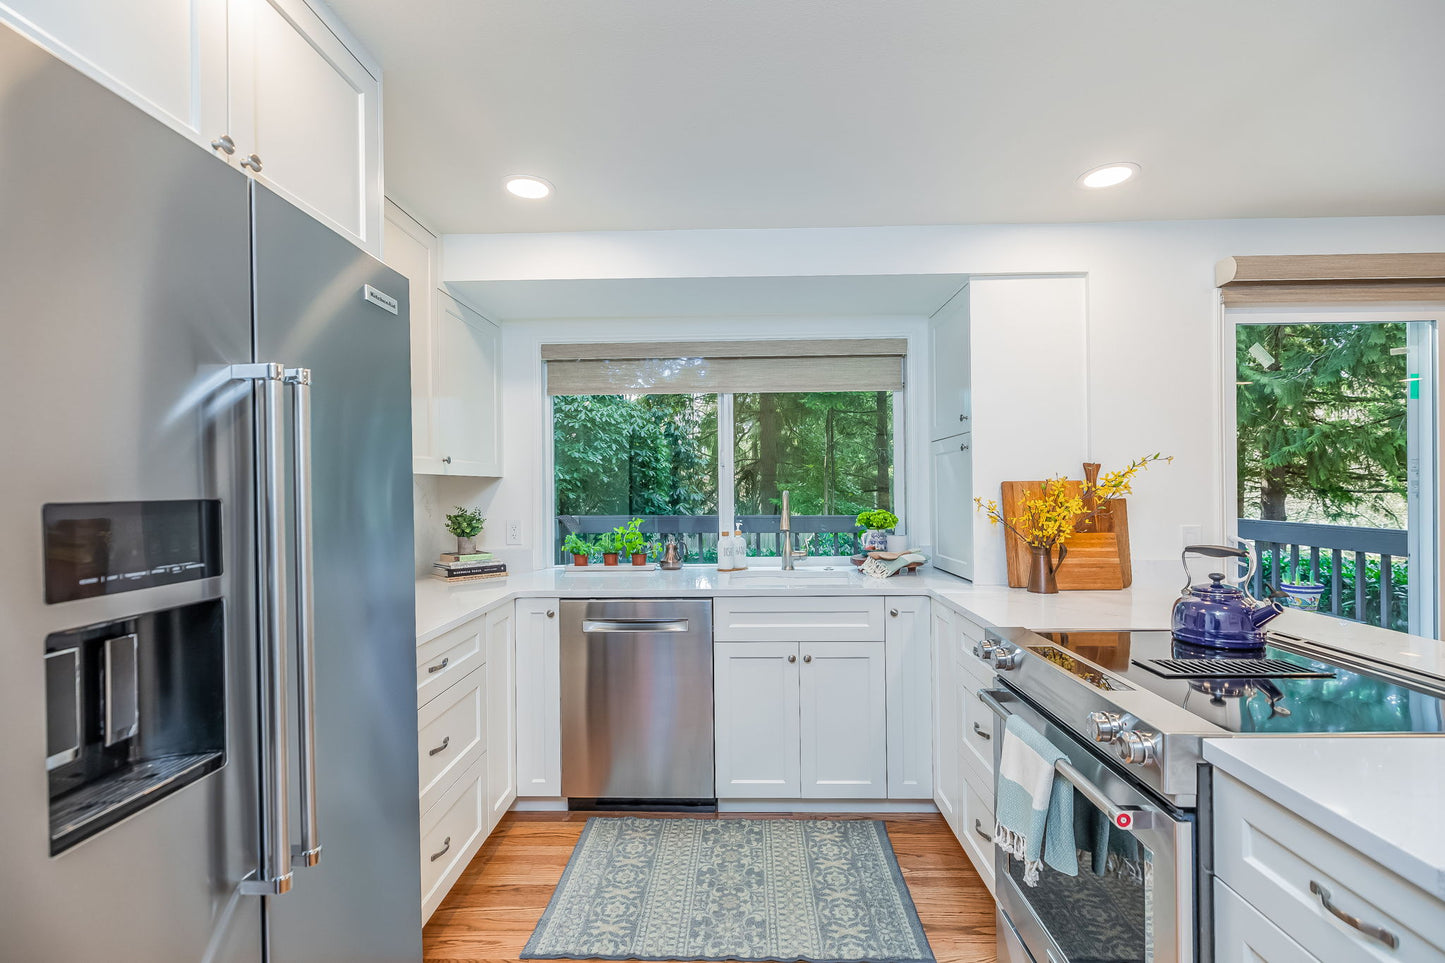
(1230, 669)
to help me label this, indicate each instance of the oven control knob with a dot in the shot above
(1138, 748)
(1005, 656)
(1104, 726)
(984, 650)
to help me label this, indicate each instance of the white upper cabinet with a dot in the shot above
(307, 107)
(264, 84)
(465, 390)
(951, 481)
(952, 388)
(413, 251)
(168, 57)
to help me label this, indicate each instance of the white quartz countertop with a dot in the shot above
(441, 606)
(1382, 795)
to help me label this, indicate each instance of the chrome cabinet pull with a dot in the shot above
(981, 731)
(446, 845)
(978, 828)
(252, 163)
(1369, 929)
(447, 460)
(224, 143)
(792, 658)
(551, 613)
(446, 741)
(893, 612)
(273, 877)
(963, 447)
(440, 665)
(299, 380)
(807, 658)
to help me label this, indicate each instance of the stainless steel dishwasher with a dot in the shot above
(637, 720)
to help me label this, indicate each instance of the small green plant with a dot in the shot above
(575, 544)
(877, 519)
(607, 543)
(465, 522)
(630, 540)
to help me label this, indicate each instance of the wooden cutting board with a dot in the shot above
(1096, 561)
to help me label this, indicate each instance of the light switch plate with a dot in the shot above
(514, 532)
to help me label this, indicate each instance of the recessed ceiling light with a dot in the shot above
(527, 185)
(1108, 175)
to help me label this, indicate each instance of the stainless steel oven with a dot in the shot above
(1132, 900)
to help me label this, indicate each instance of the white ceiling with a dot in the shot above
(657, 114)
(890, 295)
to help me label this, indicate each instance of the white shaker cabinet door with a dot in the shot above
(755, 691)
(465, 391)
(952, 398)
(412, 250)
(539, 699)
(307, 107)
(501, 713)
(168, 57)
(844, 721)
(946, 748)
(909, 652)
(951, 479)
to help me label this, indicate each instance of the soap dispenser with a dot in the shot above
(724, 551)
(740, 550)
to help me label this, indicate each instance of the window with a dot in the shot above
(695, 444)
(1334, 448)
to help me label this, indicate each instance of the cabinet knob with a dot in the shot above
(792, 658)
(807, 658)
(893, 612)
(224, 143)
(447, 460)
(551, 614)
(252, 162)
(963, 417)
(963, 447)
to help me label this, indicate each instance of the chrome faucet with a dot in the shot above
(785, 535)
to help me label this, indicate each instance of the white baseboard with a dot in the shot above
(539, 804)
(826, 806)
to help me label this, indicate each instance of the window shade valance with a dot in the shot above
(1330, 278)
(857, 364)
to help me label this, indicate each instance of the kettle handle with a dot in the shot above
(1217, 551)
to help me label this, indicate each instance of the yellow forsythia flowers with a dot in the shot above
(1051, 516)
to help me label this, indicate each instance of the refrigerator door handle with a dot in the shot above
(299, 379)
(273, 877)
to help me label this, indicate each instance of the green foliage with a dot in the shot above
(1324, 425)
(575, 544)
(630, 539)
(608, 543)
(1373, 578)
(465, 522)
(878, 519)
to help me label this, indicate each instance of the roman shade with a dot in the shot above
(1330, 279)
(692, 367)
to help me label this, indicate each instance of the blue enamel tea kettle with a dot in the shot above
(1220, 615)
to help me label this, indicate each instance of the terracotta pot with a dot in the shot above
(639, 558)
(1042, 568)
(579, 559)
(609, 558)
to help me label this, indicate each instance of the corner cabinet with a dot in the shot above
(278, 88)
(455, 362)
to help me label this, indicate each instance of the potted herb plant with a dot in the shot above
(579, 548)
(876, 524)
(607, 545)
(466, 524)
(631, 541)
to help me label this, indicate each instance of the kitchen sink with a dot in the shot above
(819, 577)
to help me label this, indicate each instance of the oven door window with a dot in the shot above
(1105, 913)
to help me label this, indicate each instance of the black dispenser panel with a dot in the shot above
(136, 710)
(102, 548)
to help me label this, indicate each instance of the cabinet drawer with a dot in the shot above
(975, 829)
(451, 731)
(451, 833)
(1242, 933)
(447, 658)
(806, 619)
(968, 637)
(977, 726)
(1269, 856)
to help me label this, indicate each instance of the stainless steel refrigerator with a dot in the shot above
(207, 660)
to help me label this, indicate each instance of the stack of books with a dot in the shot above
(468, 568)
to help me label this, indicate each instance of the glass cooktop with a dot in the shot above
(1270, 690)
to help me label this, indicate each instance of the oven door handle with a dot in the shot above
(1127, 818)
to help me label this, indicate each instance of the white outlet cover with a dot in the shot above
(514, 532)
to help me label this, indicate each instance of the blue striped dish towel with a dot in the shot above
(1035, 806)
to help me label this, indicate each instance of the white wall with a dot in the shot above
(1153, 326)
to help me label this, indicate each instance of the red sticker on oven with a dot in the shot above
(1123, 820)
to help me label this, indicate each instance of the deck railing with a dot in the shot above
(821, 534)
(1364, 571)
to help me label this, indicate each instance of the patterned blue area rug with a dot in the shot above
(823, 891)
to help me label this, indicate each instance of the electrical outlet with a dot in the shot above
(1191, 534)
(514, 532)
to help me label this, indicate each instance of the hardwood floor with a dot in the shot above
(496, 904)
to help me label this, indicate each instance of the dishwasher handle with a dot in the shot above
(634, 625)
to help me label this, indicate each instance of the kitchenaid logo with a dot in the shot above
(382, 300)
